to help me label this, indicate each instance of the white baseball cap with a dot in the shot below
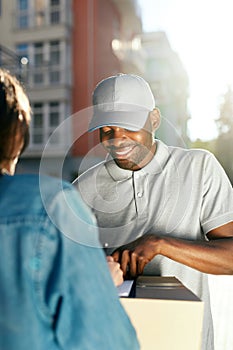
(123, 100)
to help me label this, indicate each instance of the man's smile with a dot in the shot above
(123, 151)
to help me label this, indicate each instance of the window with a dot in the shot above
(54, 77)
(54, 114)
(22, 5)
(22, 14)
(38, 75)
(37, 124)
(46, 118)
(54, 52)
(54, 120)
(54, 73)
(39, 14)
(22, 53)
(22, 50)
(23, 21)
(38, 54)
(38, 78)
(55, 17)
(46, 66)
(55, 11)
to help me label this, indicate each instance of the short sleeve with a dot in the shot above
(217, 203)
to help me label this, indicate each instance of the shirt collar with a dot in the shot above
(155, 166)
(115, 171)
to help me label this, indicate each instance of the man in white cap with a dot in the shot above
(161, 210)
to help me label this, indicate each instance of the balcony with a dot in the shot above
(9, 60)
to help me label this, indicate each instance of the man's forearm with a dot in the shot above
(214, 257)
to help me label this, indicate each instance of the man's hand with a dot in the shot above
(214, 256)
(134, 256)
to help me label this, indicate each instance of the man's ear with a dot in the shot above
(155, 118)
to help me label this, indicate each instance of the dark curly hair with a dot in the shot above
(15, 113)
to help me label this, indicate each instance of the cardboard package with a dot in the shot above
(165, 314)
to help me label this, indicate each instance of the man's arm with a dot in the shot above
(214, 256)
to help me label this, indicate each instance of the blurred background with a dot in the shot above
(60, 49)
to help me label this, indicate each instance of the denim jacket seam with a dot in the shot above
(37, 274)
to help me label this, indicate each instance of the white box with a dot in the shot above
(170, 323)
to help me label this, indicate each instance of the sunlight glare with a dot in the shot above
(201, 33)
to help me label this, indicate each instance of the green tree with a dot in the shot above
(208, 145)
(224, 142)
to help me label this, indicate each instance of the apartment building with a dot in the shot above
(38, 33)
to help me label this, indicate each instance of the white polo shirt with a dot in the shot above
(180, 193)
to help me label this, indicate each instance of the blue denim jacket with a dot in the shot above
(55, 288)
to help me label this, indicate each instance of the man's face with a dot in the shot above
(131, 150)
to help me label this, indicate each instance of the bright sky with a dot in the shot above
(201, 32)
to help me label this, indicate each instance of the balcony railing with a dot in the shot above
(46, 76)
(9, 60)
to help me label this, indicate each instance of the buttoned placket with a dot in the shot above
(140, 193)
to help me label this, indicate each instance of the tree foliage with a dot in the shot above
(224, 142)
(222, 146)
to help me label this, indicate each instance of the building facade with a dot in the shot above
(39, 33)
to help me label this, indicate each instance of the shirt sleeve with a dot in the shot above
(82, 296)
(217, 203)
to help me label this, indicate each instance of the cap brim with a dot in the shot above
(133, 121)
